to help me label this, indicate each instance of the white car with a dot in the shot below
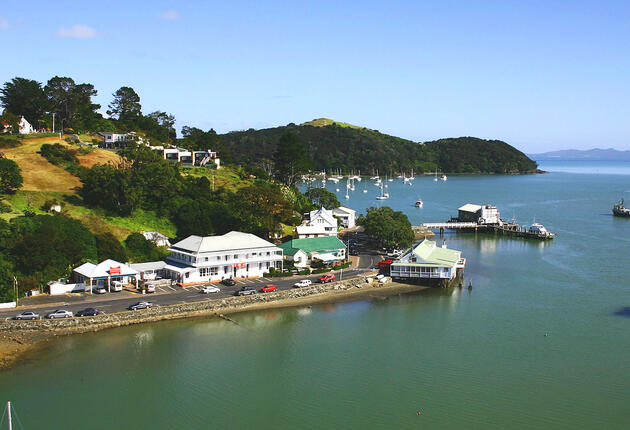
(383, 279)
(59, 313)
(210, 289)
(303, 283)
(99, 290)
(379, 276)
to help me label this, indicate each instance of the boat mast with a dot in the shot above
(9, 413)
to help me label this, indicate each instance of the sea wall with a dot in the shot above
(206, 307)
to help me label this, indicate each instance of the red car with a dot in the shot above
(327, 278)
(268, 288)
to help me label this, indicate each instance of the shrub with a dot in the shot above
(4, 208)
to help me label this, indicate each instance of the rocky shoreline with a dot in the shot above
(19, 338)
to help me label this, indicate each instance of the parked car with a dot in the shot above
(246, 291)
(379, 276)
(27, 316)
(327, 278)
(99, 290)
(59, 313)
(149, 288)
(140, 305)
(209, 289)
(228, 282)
(383, 279)
(268, 288)
(117, 286)
(303, 283)
(88, 312)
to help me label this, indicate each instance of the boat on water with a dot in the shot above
(539, 230)
(419, 203)
(383, 195)
(620, 210)
(443, 177)
(435, 179)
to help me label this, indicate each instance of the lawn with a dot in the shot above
(225, 177)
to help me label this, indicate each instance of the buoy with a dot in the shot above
(419, 412)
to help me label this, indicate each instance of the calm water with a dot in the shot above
(475, 360)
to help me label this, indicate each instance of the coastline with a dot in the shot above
(19, 340)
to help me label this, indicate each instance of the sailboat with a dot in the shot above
(382, 196)
(364, 188)
(444, 177)
(375, 176)
(436, 178)
(347, 196)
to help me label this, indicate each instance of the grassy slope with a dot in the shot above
(323, 122)
(44, 181)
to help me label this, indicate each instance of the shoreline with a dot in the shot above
(18, 340)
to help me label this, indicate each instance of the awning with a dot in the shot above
(179, 270)
(328, 257)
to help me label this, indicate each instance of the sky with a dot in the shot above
(540, 75)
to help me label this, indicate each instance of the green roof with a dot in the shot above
(429, 254)
(312, 244)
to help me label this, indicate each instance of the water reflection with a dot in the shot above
(624, 312)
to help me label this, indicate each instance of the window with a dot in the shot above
(267, 265)
(227, 257)
(218, 257)
(226, 269)
(254, 254)
(206, 259)
(214, 271)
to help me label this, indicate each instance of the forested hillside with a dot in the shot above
(349, 148)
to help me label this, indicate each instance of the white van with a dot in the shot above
(117, 286)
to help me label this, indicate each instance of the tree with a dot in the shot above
(140, 249)
(24, 97)
(262, 207)
(107, 246)
(10, 176)
(323, 197)
(166, 123)
(11, 120)
(290, 159)
(126, 105)
(388, 228)
(199, 140)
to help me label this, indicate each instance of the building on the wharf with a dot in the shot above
(198, 259)
(481, 214)
(426, 260)
(303, 252)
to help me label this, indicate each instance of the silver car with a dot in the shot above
(59, 313)
(27, 316)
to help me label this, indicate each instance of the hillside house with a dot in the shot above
(427, 260)
(347, 217)
(323, 223)
(156, 237)
(194, 158)
(302, 252)
(25, 127)
(117, 140)
(199, 259)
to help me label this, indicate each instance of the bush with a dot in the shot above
(324, 270)
(277, 274)
(304, 272)
(4, 208)
(10, 176)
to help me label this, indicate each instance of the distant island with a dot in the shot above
(589, 154)
(338, 146)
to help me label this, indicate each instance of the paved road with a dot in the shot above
(117, 302)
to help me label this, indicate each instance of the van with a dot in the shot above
(149, 288)
(117, 286)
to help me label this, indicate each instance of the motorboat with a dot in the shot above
(419, 203)
(620, 210)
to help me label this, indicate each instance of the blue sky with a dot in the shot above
(539, 75)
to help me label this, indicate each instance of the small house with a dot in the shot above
(104, 274)
(486, 214)
(25, 127)
(156, 237)
(302, 252)
(429, 261)
(347, 217)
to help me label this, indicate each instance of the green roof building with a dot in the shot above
(328, 249)
(427, 260)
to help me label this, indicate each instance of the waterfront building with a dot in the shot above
(429, 261)
(104, 274)
(198, 259)
(481, 214)
(327, 249)
(347, 217)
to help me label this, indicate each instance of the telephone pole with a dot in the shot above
(15, 288)
(53, 114)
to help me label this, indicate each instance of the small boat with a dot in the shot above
(539, 230)
(337, 189)
(443, 177)
(620, 210)
(383, 195)
(435, 179)
(419, 203)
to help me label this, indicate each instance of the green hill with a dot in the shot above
(333, 145)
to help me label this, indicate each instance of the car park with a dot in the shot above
(140, 305)
(228, 282)
(59, 313)
(327, 278)
(210, 289)
(89, 312)
(28, 315)
(303, 283)
(246, 291)
(268, 288)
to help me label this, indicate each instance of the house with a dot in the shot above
(486, 214)
(6, 127)
(428, 261)
(347, 217)
(156, 237)
(195, 158)
(199, 259)
(116, 140)
(305, 231)
(323, 219)
(25, 127)
(103, 274)
(327, 249)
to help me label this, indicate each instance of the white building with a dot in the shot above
(199, 259)
(116, 140)
(486, 214)
(347, 217)
(427, 260)
(196, 158)
(103, 274)
(25, 127)
(306, 231)
(156, 237)
(322, 220)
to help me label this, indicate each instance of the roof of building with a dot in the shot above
(102, 269)
(233, 240)
(344, 209)
(325, 214)
(153, 265)
(469, 207)
(312, 244)
(427, 253)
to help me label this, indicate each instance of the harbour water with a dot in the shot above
(541, 341)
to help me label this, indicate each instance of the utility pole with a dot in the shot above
(9, 413)
(15, 288)
(53, 121)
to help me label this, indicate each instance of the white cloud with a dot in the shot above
(78, 31)
(170, 15)
(4, 23)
